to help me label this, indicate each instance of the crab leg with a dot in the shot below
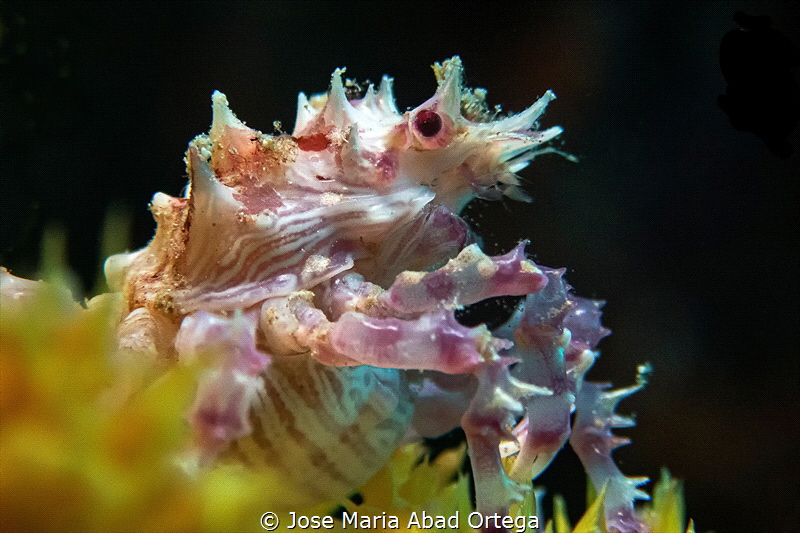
(593, 441)
(225, 394)
(485, 424)
(411, 326)
(555, 333)
(540, 344)
(471, 277)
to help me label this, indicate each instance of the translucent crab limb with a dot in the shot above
(540, 344)
(583, 321)
(546, 426)
(555, 333)
(437, 342)
(471, 277)
(593, 441)
(434, 341)
(367, 331)
(226, 392)
(485, 424)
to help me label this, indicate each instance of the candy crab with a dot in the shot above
(322, 271)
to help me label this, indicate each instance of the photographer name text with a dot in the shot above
(421, 520)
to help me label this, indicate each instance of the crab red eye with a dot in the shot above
(428, 123)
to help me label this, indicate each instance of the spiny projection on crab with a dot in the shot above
(322, 269)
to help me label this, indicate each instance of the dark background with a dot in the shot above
(687, 227)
